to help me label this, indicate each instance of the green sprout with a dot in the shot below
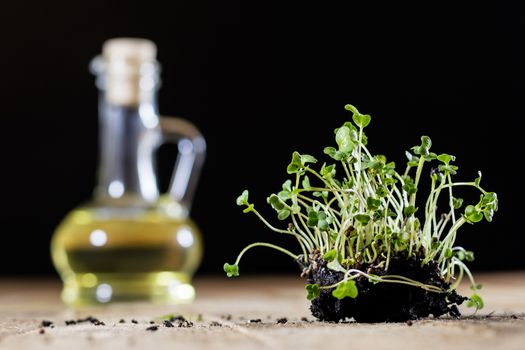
(358, 210)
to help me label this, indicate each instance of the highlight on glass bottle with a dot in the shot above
(131, 243)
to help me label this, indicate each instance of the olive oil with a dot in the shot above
(147, 256)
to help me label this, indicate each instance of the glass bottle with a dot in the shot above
(130, 243)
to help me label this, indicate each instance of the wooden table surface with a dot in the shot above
(25, 303)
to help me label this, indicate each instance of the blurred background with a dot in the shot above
(260, 82)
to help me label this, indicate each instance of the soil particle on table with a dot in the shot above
(122, 321)
(46, 323)
(70, 322)
(409, 323)
(255, 320)
(177, 318)
(91, 319)
(304, 319)
(134, 321)
(41, 331)
(168, 324)
(282, 320)
(215, 324)
(185, 324)
(151, 322)
(382, 302)
(152, 328)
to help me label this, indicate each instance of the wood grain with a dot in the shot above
(25, 303)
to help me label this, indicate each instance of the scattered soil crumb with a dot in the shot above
(304, 319)
(168, 324)
(151, 322)
(70, 322)
(91, 319)
(255, 320)
(282, 320)
(185, 324)
(41, 331)
(134, 321)
(152, 328)
(409, 323)
(514, 317)
(215, 324)
(178, 318)
(46, 323)
(122, 321)
(99, 323)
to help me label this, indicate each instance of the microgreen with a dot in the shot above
(345, 289)
(312, 291)
(355, 209)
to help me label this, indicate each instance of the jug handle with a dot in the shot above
(192, 151)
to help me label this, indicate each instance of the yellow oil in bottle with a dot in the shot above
(146, 255)
(132, 243)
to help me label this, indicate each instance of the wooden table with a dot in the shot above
(25, 303)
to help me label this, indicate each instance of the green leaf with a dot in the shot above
(409, 211)
(283, 214)
(312, 291)
(330, 151)
(448, 169)
(287, 185)
(344, 140)
(478, 179)
(351, 108)
(460, 254)
(275, 202)
(457, 202)
(231, 270)
(381, 191)
(361, 120)
(449, 253)
(284, 195)
(328, 170)
(446, 158)
(306, 183)
(362, 218)
(472, 214)
(409, 187)
(469, 256)
(430, 156)
(295, 165)
(372, 203)
(306, 158)
(475, 301)
(298, 162)
(248, 209)
(243, 198)
(345, 289)
(424, 148)
(312, 219)
(330, 255)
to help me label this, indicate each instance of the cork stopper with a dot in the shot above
(128, 61)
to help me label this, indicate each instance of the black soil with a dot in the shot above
(384, 302)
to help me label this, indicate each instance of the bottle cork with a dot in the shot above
(130, 68)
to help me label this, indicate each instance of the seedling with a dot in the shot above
(369, 249)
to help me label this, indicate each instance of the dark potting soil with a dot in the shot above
(384, 302)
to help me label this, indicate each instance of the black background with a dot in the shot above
(260, 82)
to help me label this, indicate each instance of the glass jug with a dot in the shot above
(130, 243)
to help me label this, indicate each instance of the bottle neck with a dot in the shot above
(129, 135)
